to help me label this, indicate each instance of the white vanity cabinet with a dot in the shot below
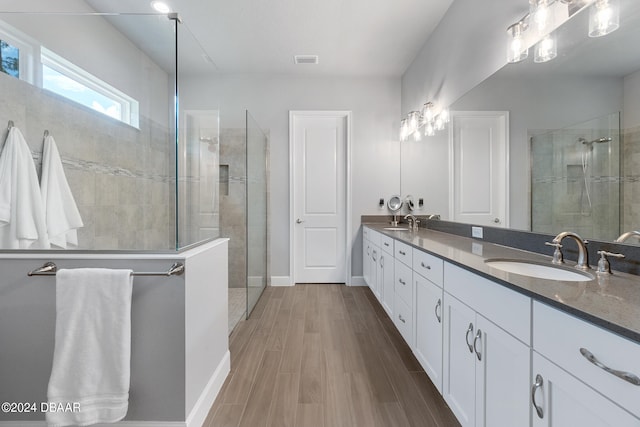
(582, 374)
(428, 314)
(486, 357)
(373, 260)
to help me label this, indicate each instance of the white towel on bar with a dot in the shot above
(62, 215)
(22, 220)
(91, 360)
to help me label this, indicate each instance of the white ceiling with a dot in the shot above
(351, 37)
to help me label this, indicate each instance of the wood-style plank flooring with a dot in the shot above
(324, 356)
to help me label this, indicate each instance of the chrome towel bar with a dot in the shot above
(50, 269)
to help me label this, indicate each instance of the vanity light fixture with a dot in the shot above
(604, 17)
(430, 119)
(160, 6)
(536, 27)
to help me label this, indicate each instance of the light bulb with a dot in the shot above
(604, 17)
(427, 112)
(417, 136)
(541, 16)
(444, 114)
(546, 49)
(429, 130)
(403, 130)
(414, 121)
(438, 123)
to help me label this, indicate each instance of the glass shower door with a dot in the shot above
(257, 198)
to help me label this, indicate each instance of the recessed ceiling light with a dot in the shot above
(160, 6)
(305, 59)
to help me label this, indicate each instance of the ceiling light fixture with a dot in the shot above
(161, 7)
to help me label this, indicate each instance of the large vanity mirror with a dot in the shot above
(574, 135)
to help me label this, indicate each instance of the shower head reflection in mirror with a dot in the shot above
(587, 159)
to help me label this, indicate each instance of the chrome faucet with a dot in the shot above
(626, 236)
(583, 255)
(413, 221)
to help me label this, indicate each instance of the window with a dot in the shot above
(72, 82)
(9, 59)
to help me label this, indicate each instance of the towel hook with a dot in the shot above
(46, 133)
(10, 125)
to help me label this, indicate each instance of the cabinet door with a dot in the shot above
(561, 400)
(385, 282)
(502, 376)
(375, 270)
(459, 362)
(428, 326)
(366, 261)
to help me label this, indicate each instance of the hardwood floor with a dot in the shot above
(324, 356)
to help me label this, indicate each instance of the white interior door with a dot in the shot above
(318, 144)
(479, 184)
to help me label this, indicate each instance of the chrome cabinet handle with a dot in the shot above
(402, 282)
(438, 305)
(538, 384)
(374, 256)
(382, 261)
(475, 344)
(386, 244)
(469, 331)
(368, 251)
(402, 252)
(627, 376)
(401, 319)
(428, 267)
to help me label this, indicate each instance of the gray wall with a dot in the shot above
(27, 325)
(375, 103)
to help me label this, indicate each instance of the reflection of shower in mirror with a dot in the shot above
(587, 159)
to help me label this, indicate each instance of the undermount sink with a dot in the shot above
(396, 228)
(539, 270)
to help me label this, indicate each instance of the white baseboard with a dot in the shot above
(119, 424)
(200, 410)
(196, 417)
(281, 281)
(357, 281)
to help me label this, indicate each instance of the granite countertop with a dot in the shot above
(610, 301)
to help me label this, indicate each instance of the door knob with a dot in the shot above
(299, 221)
(496, 220)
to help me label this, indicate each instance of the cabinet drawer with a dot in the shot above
(365, 233)
(428, 266)
(374, 237)
(560, 336)
(404, 282)
(403, 253)
(386, 244)
(403, 319)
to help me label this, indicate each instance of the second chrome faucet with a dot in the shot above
(583, 254)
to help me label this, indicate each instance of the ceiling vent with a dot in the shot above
(305, 59)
